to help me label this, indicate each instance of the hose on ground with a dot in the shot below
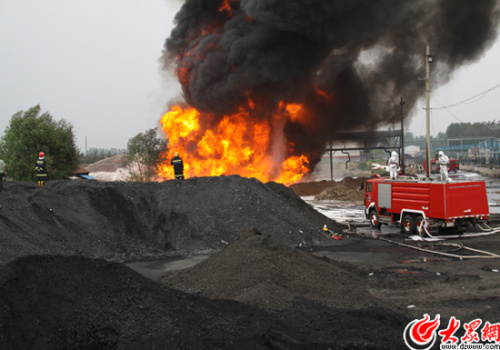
(485, 254)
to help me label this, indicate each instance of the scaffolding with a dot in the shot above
(366, 141)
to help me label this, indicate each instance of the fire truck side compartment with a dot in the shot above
(458, 200)
(411, 195)
(384, 195)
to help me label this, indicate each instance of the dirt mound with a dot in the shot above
(340, 193)
(137, 221)
(56, 302)
(257, 269)
(353, 183)
(348, 189)
(311, 188)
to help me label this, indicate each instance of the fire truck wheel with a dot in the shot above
(418, 222)
(408, 224)
(374, 223)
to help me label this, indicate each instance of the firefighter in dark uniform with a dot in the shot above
(41, 171)
(178, 166)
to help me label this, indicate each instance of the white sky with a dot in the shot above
(467, 82)
(91, 62)
(95, 64)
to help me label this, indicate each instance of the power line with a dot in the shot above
(447, 110)
(467, 101)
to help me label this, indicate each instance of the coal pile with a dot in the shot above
(259, 270)
(138, 221)
(56, 302)
(63, 284)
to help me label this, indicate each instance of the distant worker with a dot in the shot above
(393, 165)
(178, 166)
(3, 173)
(444, 164)
(41, 170)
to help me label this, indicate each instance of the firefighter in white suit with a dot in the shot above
(393, 165)
(444, 164)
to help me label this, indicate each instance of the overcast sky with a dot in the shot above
(473, 95)
(95, 64)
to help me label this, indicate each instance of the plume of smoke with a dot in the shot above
(366, 53)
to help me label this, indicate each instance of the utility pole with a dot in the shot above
(402, 138)
(331, 161)
(428, 60)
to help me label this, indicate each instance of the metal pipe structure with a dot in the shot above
(402, 138)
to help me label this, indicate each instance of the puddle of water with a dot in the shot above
(155, 269)
(339, 211)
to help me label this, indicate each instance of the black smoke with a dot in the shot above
(367, 53)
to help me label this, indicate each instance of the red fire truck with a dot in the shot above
(454, 165)
(432, 206)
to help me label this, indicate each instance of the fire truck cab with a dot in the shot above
(412, 203)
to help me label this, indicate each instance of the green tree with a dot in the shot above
(479, 129)
(30, 132)
(144, 154)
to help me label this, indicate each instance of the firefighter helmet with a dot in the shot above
(41, 154)
(176, 154)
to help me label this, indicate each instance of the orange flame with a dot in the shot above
(225, 6)
(324, 95)
(233, 144)
(241, 143)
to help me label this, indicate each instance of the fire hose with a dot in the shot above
(485, 254)
(424, 228)
(457, 246)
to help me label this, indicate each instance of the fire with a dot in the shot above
(225, 6)
(265, 138)
(234, 144)
(324, 95)
(293, 169)
(293, 110)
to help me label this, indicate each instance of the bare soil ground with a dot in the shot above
(347, 189)
(273, 279)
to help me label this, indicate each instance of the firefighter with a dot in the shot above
(178, 166)
(393, 165)
(41, 171)
(444, 164)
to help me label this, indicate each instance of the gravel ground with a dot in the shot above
(273, 279)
